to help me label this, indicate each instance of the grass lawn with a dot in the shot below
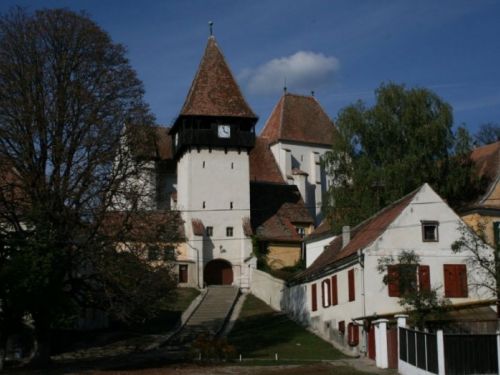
(260, 332)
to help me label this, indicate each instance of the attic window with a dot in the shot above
(209, 231)
(301, 231)
(430, 232)
(229, 231)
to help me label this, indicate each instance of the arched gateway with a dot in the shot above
(218, 272)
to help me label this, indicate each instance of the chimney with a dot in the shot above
(346, 235)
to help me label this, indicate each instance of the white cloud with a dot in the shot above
(304, 70)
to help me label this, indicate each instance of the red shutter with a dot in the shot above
(455, 280)
(393, 280)
(342, 327)
(335, 299)
(314, 297)
(462, 280)
(424, 278)
(352, 292)
(353, 334)
(325, 293)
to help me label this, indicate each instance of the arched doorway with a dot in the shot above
(218, 272)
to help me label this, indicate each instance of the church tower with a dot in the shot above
(212, 137)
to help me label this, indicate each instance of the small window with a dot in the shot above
(496, 232)
(351, 286)
(301, 231)
(326, 297)
(169, 253)
(209, 231)
(229, 231)
(183, 273)
(314, 297)
(232, 165)
(204, 205)
(231, 205)
(203, 164)
(430, 231)
(353, 334)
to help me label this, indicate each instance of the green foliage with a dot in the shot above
(421, 305)
(487, 133)
(388, 150)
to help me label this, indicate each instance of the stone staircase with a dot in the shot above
(210, 316)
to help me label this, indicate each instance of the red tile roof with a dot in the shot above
(214, 91)
(300, 119)
(263, 166)
(487, 160)
(275, 210)
(361, 237)
(321, 230)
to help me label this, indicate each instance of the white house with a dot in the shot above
(318, 241)
(342, 291)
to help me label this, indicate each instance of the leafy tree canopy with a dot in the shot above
(487, 133)
(385, 151)
(66, 93)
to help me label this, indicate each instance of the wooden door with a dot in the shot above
(371, 342)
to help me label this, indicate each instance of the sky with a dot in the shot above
(341, 50)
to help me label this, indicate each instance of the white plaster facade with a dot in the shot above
(371, 294)
(307, 158)
(315, 247)
(213, 186)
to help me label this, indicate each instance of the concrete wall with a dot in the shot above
(267, 288)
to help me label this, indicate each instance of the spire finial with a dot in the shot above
(284, 85)
(211, 27)
(312, 93)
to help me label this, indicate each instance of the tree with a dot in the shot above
(392, 148)
(488, 133)
(483, 261)
(422, 303)
(66, 92)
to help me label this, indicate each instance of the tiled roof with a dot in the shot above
(361, 236)
(487, 161)
(214, 91)
(275, 210)
(300, 119)
(263, 166)
(143, 225)
(321, 230)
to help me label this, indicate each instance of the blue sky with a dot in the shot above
(343, 50)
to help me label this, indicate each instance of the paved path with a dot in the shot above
(210, 316)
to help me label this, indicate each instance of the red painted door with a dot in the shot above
(371, 342)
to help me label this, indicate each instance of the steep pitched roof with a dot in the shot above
(214, 91)
(263, 166)
(275, 210)
(361, 236)
(487, 161)
(301, 119)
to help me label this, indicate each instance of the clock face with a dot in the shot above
(224, 131)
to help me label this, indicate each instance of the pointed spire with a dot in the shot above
(214, 91)
(211, 27)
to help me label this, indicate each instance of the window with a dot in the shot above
(183, 273)
(169, 253)
(232, 165)
(401, 279)
(342, 327)
(455, 280)
(231, 205)
(496, 232)
(204, 205)
(335, 298)
(326, 297)
(153, 253)
(203, 164)
(209, 231)
(430, 231)
(301, 231)
(314, 298)
(352, 291)
(229, 232)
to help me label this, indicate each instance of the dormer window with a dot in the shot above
(430, 231)
(301, 231)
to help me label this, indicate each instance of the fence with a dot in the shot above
(452, 354)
